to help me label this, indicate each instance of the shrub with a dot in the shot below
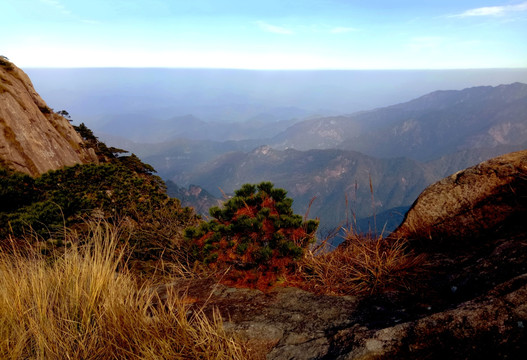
(255, 236)
(16, 189)
(72, 191)
(43, 206)
(45, 109)
(105, 153)
(120, 188)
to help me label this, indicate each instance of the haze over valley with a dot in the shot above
(319, 134)
(196, 89)
(154, 105)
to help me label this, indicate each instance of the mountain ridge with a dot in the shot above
(227, 165)
(422, 128)
(339, 180)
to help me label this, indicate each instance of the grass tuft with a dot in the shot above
(84, 304)
(363, 264)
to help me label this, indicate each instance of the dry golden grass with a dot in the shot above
(367, 264)
(84, 305)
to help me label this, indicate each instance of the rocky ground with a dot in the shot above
(470, 301)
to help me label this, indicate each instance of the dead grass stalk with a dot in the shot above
(79, 306)
(364, 264)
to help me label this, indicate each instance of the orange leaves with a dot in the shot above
(246, 210)
(255, 237)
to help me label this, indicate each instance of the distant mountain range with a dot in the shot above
(364, 168)
(141, 128)
(99, 96)
(424, 129)
(421, 129)
(401, 148)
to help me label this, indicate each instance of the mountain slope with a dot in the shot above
(33, 139)
(194, 196)
(426, 128)
(338, 179)
(442, 132)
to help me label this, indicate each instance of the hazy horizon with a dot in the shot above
(234, 95)
(266, 70)
(273, 34)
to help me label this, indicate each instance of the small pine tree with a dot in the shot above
(5, 63)
(64, 114)
(255, 235)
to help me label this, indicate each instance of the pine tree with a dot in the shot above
(256, 235)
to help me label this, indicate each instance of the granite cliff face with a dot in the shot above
(33, 139)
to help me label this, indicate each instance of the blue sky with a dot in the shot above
(269, 34)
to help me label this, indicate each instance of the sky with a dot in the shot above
(267, 34)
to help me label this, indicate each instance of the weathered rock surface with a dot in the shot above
(289, 323)
(470, 203)
(33, 139)
(488, 327)
(469, 302)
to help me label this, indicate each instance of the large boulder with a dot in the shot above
(470, 204)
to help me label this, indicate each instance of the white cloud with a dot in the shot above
(273, 28)
(493, 10)
(342, 30)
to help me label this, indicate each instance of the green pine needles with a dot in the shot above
(255, 235)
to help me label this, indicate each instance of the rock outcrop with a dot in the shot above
(468, 302)
(470, 203)
(33, 139)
